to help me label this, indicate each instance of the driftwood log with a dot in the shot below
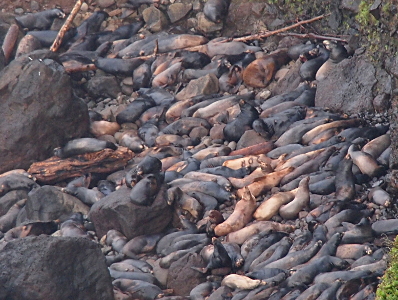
(56, 169)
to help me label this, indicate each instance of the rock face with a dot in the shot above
(59, 268)
(182, 278)
(48, 203)
(37, 111)
(355, 79)
(117, 211)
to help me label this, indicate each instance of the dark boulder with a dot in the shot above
(117, 211)
(38, 111)
(59, 268)
(182, 278)
(355, 79)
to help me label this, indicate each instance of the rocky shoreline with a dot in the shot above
(190, 167)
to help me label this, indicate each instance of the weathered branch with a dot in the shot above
(65, 27)
(56, 169)
(313, 36)
(274, 32)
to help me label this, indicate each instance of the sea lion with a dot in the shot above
(300, 201)
(310, 67)
(145, 191)
(82, 146)
(148, 165)
(260, 72)
(337, 53)
(115, 239)
(241, 215)
(140, 244)
(204, 289)
(41, 20)
(175, 196)
(117, 66)
(9, 42)
(345, 181)
(281, 250)
(241, 282)
(365, 162)
(271, 206)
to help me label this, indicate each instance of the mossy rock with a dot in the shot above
(388, 287)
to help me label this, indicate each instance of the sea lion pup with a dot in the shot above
(365, 162)
(82, 146)
(41, 20)
(218, 259)
(91, 25)
(115, 239)
(146, 190)
(260, 72)
(216, 10)
(236, 281)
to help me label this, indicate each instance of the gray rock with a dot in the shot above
(206, 25)
(48, 203)
(117, 211)
(105, 3)
(103, 86)
(250, 138)
(391, 65)
(2, 60)
(382, 102)
(155, 19)
(177, 11)
(59, 268)
(205, 85)
(351, 5)
(34, 5)
(38, 111)
(355, 78)
(182, 278)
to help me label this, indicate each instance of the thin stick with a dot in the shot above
(274, 32)
(313, 36)
(65, 27)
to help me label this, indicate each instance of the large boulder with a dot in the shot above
(117, 211)
(348, 86)
(49, 203)
(38, 111)
(61, 268)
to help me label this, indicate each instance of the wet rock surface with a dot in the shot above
(225, 193)
(54, 267)
(41, 105)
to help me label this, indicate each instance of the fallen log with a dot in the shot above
(56, 169)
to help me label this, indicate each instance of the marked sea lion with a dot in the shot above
(243, 234)
(40, 20)
(82, 146)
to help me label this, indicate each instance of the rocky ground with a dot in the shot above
(157, 241)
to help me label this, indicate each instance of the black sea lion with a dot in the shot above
(82, 146)
(41, 20)
(145, 191)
